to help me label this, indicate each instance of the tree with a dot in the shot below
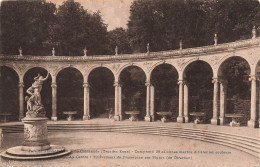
(231, 20)
(77, 29)
(119, 37)
(25, 24)
(163, 23)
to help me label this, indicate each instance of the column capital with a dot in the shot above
(185, 83)
(21, 84)
(116, 84)
(85, 84)
(147, 83)
(180, 82)
(215, 80)
(54, 85)
(223, 82)
(252, 78)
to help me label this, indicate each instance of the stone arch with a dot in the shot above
(9, 103)
(99, 66)
(198, 81)
(224, 59)
(235, 88)
(33, 66)
(133, 90)
(69, 91)
(160, 63)
(164, 92)
(13, 68)
(67, 66)
(129, 65)
(28, 80)
(101, 92)
(190, 62)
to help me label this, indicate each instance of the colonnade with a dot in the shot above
(219, 101)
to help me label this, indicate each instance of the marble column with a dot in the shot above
(116, 116)
(252, 122)
(180, 118)
(152, 102)
(86, 115)
(214, 120)
(21, 101)
(186, 103)
(147, 117)
(223, 97)
(120, 102)
(258, 88)
(54, 101)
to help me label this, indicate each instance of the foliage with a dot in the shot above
(77, 29)
(25, 24)
(119, 37)
(163, 23)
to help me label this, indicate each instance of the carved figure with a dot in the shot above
(148, 48)
(20, 51)
(34, 104)
(116, 50)
(85, 51)
(53, 52)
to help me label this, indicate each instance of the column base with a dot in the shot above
(152, 118)
(180, 119)
(117, 118)
(54, 118)
(221, 121)
(252, 124)
(214, 121)
(86, 117)
(186, 119)
(147, 119)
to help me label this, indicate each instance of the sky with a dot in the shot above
(115, 13)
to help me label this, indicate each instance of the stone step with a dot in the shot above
(243, 143)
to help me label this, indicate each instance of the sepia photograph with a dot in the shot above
(129, 83)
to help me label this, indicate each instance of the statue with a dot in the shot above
(253, 33)
(116, 50)
(148, 48)
(180, 44)
(53, 52)
(20, 51)
(85, 51)
(34, 104)
(216, 40)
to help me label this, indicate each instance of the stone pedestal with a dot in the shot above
(86, 117)
(180, 119)
(36, 144)
(251, 123)
(54, 118)
(214, 121)
(35, 134)
(147, 119)
(117, 118)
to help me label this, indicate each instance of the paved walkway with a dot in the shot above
(99, 149)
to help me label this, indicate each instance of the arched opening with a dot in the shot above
(9, 94)
(235, 72)
(198, 77)
(69, 92)
(46, 88)
(164, 78)
(102, 93)
(132, 80)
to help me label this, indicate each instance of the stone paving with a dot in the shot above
(242, 130)
(100, 149)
